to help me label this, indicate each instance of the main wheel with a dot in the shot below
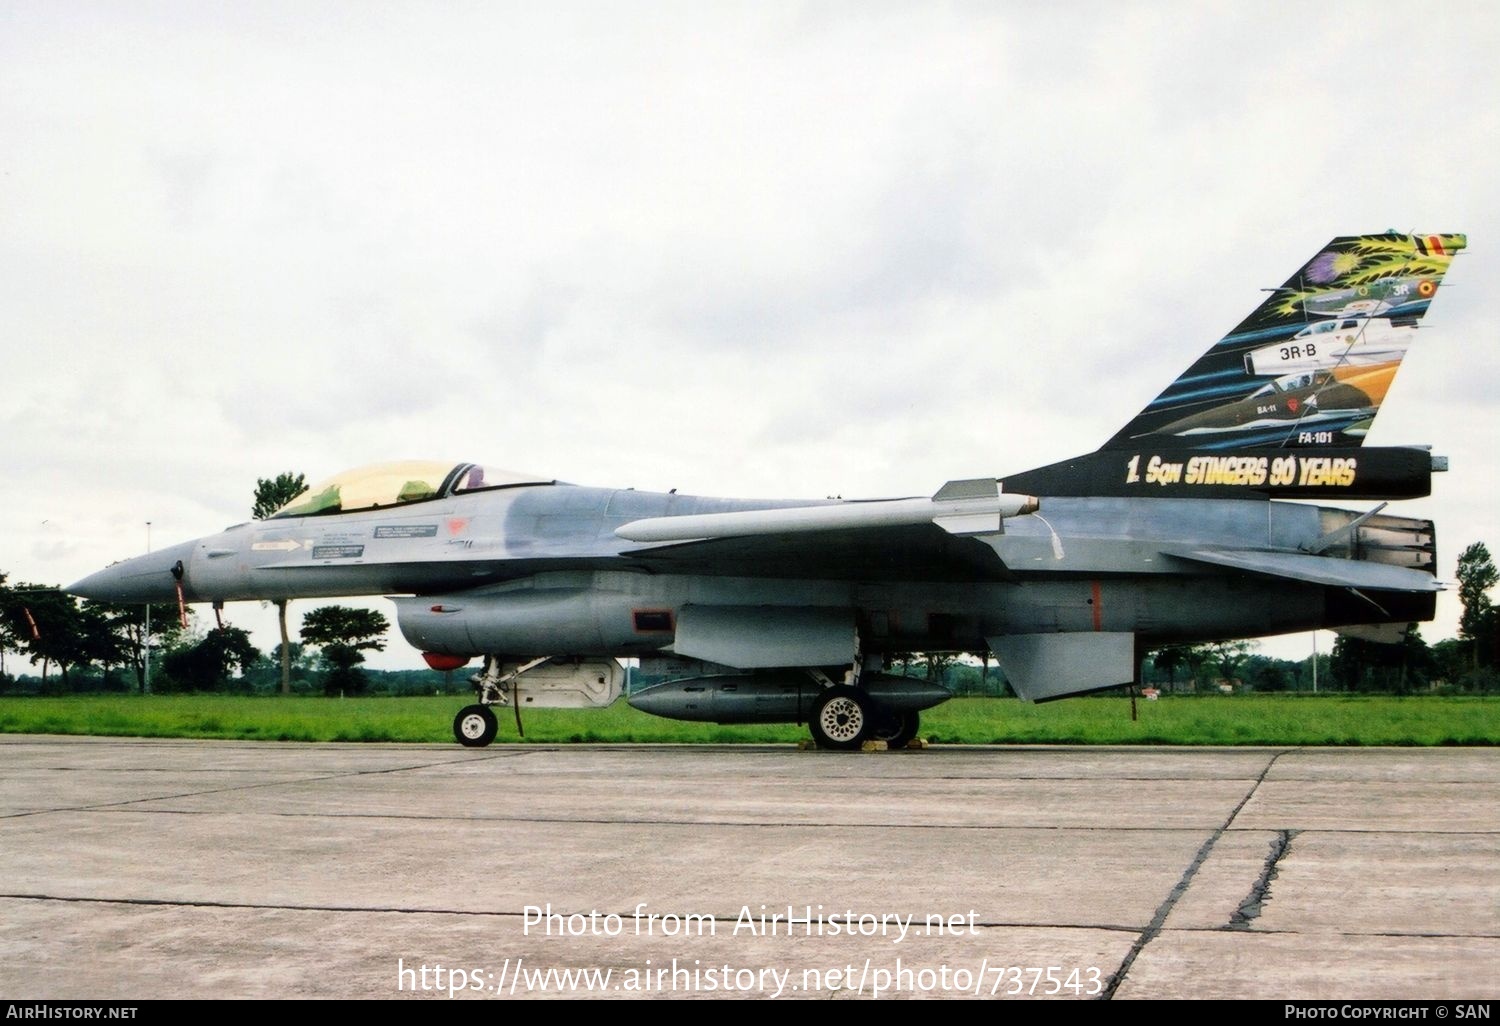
(841, 718)
(896, 727)
(475, 726)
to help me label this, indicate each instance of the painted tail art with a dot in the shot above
(1281, 405)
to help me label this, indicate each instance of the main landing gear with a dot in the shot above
(841, 718)
(845, 716)
(896, 727)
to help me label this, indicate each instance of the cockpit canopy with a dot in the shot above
(1294, 383)
(396, 484)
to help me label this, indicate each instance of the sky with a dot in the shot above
(754, 249)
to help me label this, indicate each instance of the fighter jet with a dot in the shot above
(1340, 343)
(1346, 397)
(755, 611)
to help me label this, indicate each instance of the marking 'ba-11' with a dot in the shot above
(789, 610)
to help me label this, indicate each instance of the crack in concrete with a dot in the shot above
(468, 817)
(190, 903)
(320, 778)
(1154, 928)
(627, 915)
(1260, 891)
(251, 906)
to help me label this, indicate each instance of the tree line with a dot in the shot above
(95, 645)
(169, 652)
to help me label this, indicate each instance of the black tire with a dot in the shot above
(841, 719)
(896, 727)
(475, 726)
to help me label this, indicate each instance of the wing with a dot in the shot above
(892, 539)
(913, 552)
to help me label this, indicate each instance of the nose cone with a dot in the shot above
(676, 700)
(658, 700)
(147, 578)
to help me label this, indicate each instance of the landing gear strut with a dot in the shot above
(844, 716)
(475, 725)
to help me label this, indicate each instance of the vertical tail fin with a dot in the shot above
(1311, 365)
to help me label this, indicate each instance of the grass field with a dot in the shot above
(1203, 720)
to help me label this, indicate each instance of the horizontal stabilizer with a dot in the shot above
(962, 514)
(1297, 566)
(1045, 666)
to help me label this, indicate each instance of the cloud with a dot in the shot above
(766, 249)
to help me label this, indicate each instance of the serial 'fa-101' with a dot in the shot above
(755, 611)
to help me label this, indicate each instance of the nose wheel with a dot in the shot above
(475, 726)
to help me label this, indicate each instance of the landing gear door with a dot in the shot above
(569, 684)
(753, 637)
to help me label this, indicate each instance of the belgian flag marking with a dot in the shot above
(1432, 245)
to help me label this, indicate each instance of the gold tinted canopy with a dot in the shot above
(393, 484)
